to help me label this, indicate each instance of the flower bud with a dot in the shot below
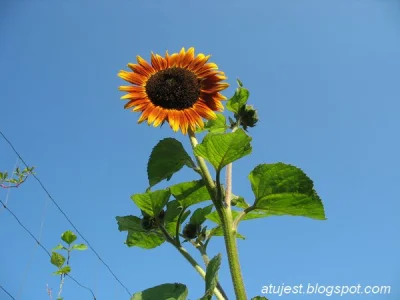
(191, 231)
(248, 116)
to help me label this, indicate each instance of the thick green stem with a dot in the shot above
(225, 215)
(233, 254)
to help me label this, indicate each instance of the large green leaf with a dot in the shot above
(199, 215)
(190, 193)
(166, 158)
(137, 236)
(221, 149)
(282, 189)
(152, 202)
(293, 204)
(238, 99)
(212, 276)
(167, 291)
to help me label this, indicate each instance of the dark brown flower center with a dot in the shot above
(173, 88)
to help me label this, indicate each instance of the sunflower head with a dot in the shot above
(180, 89)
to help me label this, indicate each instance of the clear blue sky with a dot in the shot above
(324, 76)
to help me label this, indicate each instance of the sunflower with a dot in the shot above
(180, 88)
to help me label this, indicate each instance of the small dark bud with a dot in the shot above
(191, 231)
(234, 201)
(148, 223)
(161, 215)
(248, 116)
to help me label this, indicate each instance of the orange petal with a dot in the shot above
(135, 103)
(188, 58)
(181, 56)
(139, 69)
(132, 89)
(162, 116)
(198, 62)
(141, 106)
(207, 66)
(158, 62)
(132, 77)
(174, 119)
(207, 73)
(172, 60)
(145, 64)
(145, 114)
(215, 88)
(204, 111)
(154, 114)
(136, 95)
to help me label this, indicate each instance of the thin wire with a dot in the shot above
(5, 291)
(64, 214)
(46, 202)
(42, 247)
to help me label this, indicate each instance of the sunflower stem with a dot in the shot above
(225, 215)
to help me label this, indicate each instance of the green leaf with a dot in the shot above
(79, 247)
(212, 276)
(57, 259)
(218, 231)
(69, 237)
(221, 149)
(166, 291)
(282, 189)
(238, 100)
(152, 202)
(309, 206)
(137, 236)
(59, 247)
(63, 270)
(259, 298)
(269, 179)
(190, 193)
(127, 223)
(240, 84)
(185, 215)
(145, 240)
(174, 208)
(199, 215)
(218, 125)
(166, 158)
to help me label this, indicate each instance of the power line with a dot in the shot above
(64, 214)
(43, 248)
(5, 291)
